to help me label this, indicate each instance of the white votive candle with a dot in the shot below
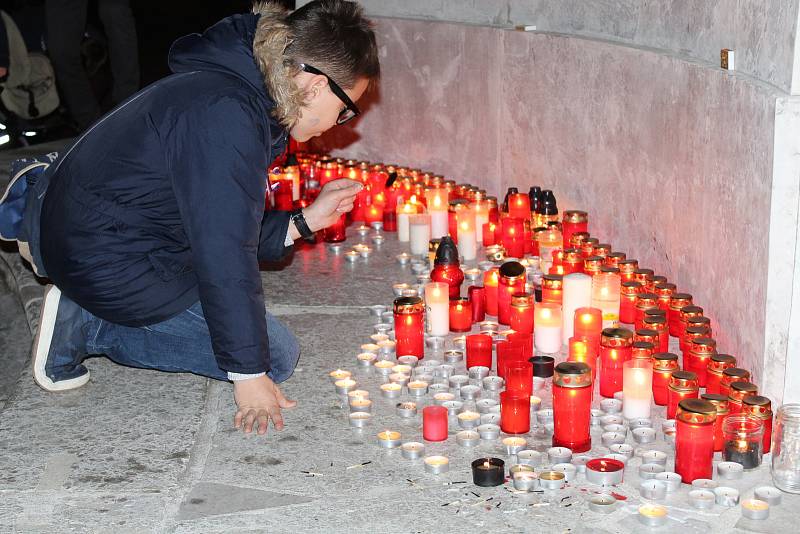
(419, 233)
(437, 307)
(547, 327)
(576, 293)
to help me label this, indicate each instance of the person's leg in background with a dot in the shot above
(120, 29)
(66, 21)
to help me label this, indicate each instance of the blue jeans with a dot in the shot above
(181, 344)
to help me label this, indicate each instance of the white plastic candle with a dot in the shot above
(419, 233)
(481, 217)
(606, 297)
(437, 209)
(637, 385)
(467, 239)
(404, 213)
(437, 307)
(577, 293)
(547, 327)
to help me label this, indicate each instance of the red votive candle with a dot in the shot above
(335, 233)
(409, 326)
(515, 412)
(521, 319)
(642, 350)
(588, 323)
(489, 234)
(700, 352)
(572, 403)
(644, 301)
(682, 385)
(574, 221)
(584, 351)
(740, 390)
(720, 402)
(716, 366)
(519, 206)
(676, 302)
(694, 439)
(479, 350)
(523, 340)
(460, 315)
(507, 351)
(513, 237)
(761, 408)
(511, 280)
(573, 261)
(627, 302)
(434, 423)
(283, 195)
(390, 220)
(615, 349)
(552, 288)
(477, 296)
(659, 324)
(664, 364)
(519, 376)
(491, 279)
(373, 213)
(730, 375)
(692, 333)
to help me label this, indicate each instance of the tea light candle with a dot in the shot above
(351, 256)
(360, 405)
(444, 371)
(704, 483)
(468, 438)
(406, 409)
(620, 429)
(399, 378)
(398, 289)
(357, 394)
(653, 490)
(536, 403)
(603, 504)
(366, 359)
(389, 439)
(442, 397)
(363, 250)
(491, 418)
(648, 471)
(769, 494)
(404, 257)
(458, 381)
(612, 419)
(360, 419)
(596, 415)
(530, 457)
(611, 406)
(640, 423)
(671, 480)
(408, 360)
(362, 230)
(485, 405)
(580, 462)
(417, 388)
(345, 385)
(412, 450)
(470, 392)
(755, 509)
(622, 448)
(453, 356)
(610, 438)
(382, 328)
(726, 496)
(525, 480)
(702, 499)
(514, 444)
(654, 457)
(460, 342)
(453, 407)
(339, 374)
(604, 471)
(489, 431)
(478, 372)
(493, 383)
(377, 338)
(401, 368)
(652, 515)
(436, 465)
(643, 435)
(559, 455)
(468, 419)
(391, 390)
(487, 472)
(488, 326)
(552, 480)
(370, 347)
(569, 470)
(730, 470)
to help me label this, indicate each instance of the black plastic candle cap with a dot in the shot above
(542, 366)
(447, 253)
(548, 205)
(511, 191)
(535, 196)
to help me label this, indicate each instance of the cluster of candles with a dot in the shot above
(554, 286)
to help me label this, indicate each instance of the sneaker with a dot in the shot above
(59, 345)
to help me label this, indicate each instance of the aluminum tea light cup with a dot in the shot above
(412, 450)
(453, 356)
(417, 388)
(769, 494)
(400, 378)
(345, 385)
(649, 471)
(389, 439)
(755, 509)
(620, 429)
(525, 480)
(444, 371)
(730, 470)
(434, 389)
(472, 275)
(406, 409)
(391, 390)
(453, 407)
(468, 419)
(398, 288)
(611, 419)
(530, 457)
(409, 360)
(702, 499)
(611, 406)
(377, 239)
(545, 415)
(726, 496)
(640, 423)
(489, 431)
(336, 248)
(654, 457)
(605, 471)
(366, 359)
(622, 448)
(485, 405)
(436, 465)
(514, 444)
(378, 337)
(359, 419)
(603, 504)
(339, 374)
(441, 397)
(458, 381)
(559, 455)
(493, 383)
(569, 470)
(671, 480)
(490, 418)
(362, 230)
(596, 420)
(552, 480)
(404, 258)
(653, 490)
(580, 461)
(360, 405)
(434, 342)
(470, 392)
(378, 309)
(652, 515)
(478, 372)
(643, 435)
(460, 342)
(383, 367)
(610, 438)
(468, 438)
(705, 483)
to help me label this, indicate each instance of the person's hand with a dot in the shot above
(335, 198)
(259, 400)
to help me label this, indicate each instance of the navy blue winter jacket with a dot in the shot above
(162, 202)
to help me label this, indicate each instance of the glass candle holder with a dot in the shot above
(552, 288)
(467, 234)
(659, 324)
(335, 233)
(574, 221)
(419, 233)
(507, 352)
(572, 403)
(513, 236)
(637, 387)
(519, 376)
(491, 279)
(626, 269)
(477, 297)
(691, 333)
(437, 308)
(593, 265)
(615, 349)
(577, 294)
(587, 247)
(642, 350)
(434, 423)
(479, 350)
(682, 385)
(460, 315)
(547, 328)
(511, 280)
(717, 364)
(700, 352)
(437, 204)
(614, 258)
(601, 249)
(588, 323)
(515, 412)
(519, 206)
(786, 449)
(606, 297)
(641, 275)
(760, 407)
(684, 314)
(584, 351)
(627, 305)
(521, 319)
(721, 404)
(664, 364)
(548, 241)
(409, 326)
(676, 302)
(572, 261)
(742, 436)
(730, 375)
(523, 340)
(644, 301)
(576, 240)
(738, 392)
(664, 290)
(694, 439)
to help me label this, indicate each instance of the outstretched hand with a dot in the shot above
(258, 400)
(335, 198)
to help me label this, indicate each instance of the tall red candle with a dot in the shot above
(574, 221)
(479, 350)
(335, 233)
(409, 326)
(523, 340)
(676, 302)
(700, 352)
(491, 280)
(519, 206)
(460, 315)
(615, 349)
(507, 351)
(716, 366)
(682, 385)
(511, 280)
(627, 302)
(521, 319)
(488, 230)
(572, 403)
(515, 412)
(588, 323)
(513, 237)
(694, 439)
(664, 364)
(720, 402)
(434, 423)
(552, 288)
(760, 407)
(519, 376)
(477, 296)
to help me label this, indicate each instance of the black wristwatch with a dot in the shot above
(299, 221)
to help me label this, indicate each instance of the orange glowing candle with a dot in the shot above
(491, 279)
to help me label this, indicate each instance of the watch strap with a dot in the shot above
(300, 223)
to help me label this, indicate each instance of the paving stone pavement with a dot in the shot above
(142, 451)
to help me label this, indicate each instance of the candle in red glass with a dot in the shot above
(588, 323)
(761, 408)
(519, 206)
(511, 280)
(523, 340)
(434, 423)
(676, 302)
(587, 247)
(626, 269)
(460, 315)
(692, 333)
(494, 213)
(716, 366)
(283, 195)
(576, 240)
(572, 403)
(583, 350)
(700, 352)
(479, 350)
(446, 267)
(684, 314)
(627, 302)
(664, 364)
(642, 350)
(682, 385)
(730, 375)
(521, 319)
(572, 260)
(515, 412)
(519, 376)
(740, 390)
(720, 402)
(409, 326)
(694, 439)
(477, 297)
(491, 280)
(574, 221)
(664, 290)
(455, 207)
(373, 213)
(390, 220)
(659, 324)
(644, 301)
(513, 237)
(507, 351)
(552, 288)
(615, 349)
(488, 230)
(335, 233)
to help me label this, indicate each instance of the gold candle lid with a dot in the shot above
(629, 287)
(665, 361)
(697, 321)
(680, 300)
(665, 289)
(658, 322)
(609, 269)
(628, 266)
(601, 249)
(646, 300)
(720, 401)
(587, 247)
(690, 311)
(757, 406)
(655, 312)
(720, 362)
(573, 256)
(552, 281)
(696, 411)
(640, 275)
(577, 239)
(696, 331)
(616, 337)
(593, 264)
(683, 381)
(408, 305)
(615, 257)
(646, 334)
(511, 271)
(741, 389)
(652, 280)
(521, 300)
(572, 375)
(576, 216)
(643, 350)
(703, 345)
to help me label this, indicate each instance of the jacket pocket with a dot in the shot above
(170, 265)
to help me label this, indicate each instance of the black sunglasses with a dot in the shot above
(350, 110)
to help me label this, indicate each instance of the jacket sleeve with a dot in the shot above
(218, 158)
(274, 227)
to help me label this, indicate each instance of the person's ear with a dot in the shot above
(316, 86)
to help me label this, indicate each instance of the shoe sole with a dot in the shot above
(41, 345)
